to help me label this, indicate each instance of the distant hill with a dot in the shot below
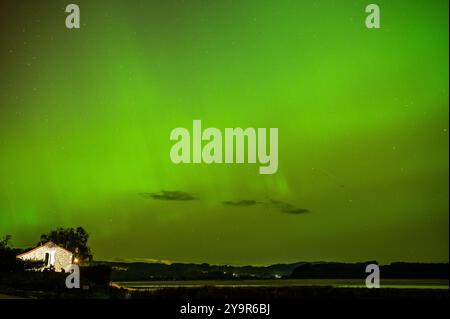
(398, 270)
(141, 271)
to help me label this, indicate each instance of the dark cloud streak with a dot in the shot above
(243, 202)
(279, 205)
(169, 195)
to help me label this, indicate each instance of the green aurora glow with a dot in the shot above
(362, 116)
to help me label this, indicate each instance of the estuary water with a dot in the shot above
(337, 283)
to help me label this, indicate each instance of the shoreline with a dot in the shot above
(280, 283)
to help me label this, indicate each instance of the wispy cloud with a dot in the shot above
(287, 208)
(296, 211)
(242, 202)
(279, 205)
(169, 195)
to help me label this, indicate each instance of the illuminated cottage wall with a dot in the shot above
(58, 257)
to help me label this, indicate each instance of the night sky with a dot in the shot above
(85, 119)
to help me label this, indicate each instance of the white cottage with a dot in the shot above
(53, 256)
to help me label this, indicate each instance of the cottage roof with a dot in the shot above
(46, 244)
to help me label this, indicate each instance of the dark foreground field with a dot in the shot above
(237, 294)
(52, 286)
(284, 301)
(283, 293)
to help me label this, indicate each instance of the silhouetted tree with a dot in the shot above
(71, 239)
(5, 241)
(8, 260)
